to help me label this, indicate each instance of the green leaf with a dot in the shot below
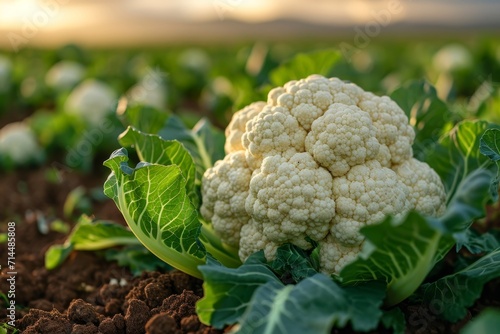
(137, 258)
(225, 254)
(204, 142)
(303, 65)
(291, 261)
(56, 255)
(398, 253)
(312, 306)
(457, 154)
(427, 113)
(490, 147)
(89, 236)
(76, 200)
(155, 150)
(468, 203)
(144, 118)
(453, 294)
(210, 140)
(394, 319)
(477, 243)
(227, 292)
(490, 144)
(156, 206)
(488, 321)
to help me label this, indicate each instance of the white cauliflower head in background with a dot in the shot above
(65, 75)
(91, 101)
(321, 159)
(18, 143)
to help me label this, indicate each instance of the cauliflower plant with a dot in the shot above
(65, 75)
(19, 145)
(321, 159)
(91, 101)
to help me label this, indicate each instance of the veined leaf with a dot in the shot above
(314, 305)
(457, 154)
(204, 142)
(227, 292)
(156, 206)
(394, 319)
(155, 150)
(477, 243)
(293, 261)
(88, 236)
(490, 147)
(468, 203)
(453, 294)
(427, 113)
(401, 254)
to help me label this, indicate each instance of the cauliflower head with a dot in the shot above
(318, 161)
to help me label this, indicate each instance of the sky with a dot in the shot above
(55, 21)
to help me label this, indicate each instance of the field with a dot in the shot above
(101, 149)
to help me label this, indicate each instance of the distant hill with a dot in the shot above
(140, 32)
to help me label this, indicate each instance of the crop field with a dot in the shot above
(310, 186)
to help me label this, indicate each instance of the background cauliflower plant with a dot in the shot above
(321, 159)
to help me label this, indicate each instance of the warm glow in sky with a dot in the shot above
(91, 20)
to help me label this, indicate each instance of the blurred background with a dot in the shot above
(69, 67)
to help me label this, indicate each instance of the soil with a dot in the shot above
(86, 294)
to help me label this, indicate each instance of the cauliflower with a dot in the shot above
(18, 143)
(318, 161)
(64, 75)
(92, 101)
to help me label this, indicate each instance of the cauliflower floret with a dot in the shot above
(427, 194)
(292, 199)
(392, 126)
(366, 194)
(272, 132)
(309, 98)
(224, 191)
(254, 240)
(237, 126)
(334, 256)
(343, 137)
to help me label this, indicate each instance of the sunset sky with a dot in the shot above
(93, 20)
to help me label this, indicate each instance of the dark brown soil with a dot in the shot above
(86, 294)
